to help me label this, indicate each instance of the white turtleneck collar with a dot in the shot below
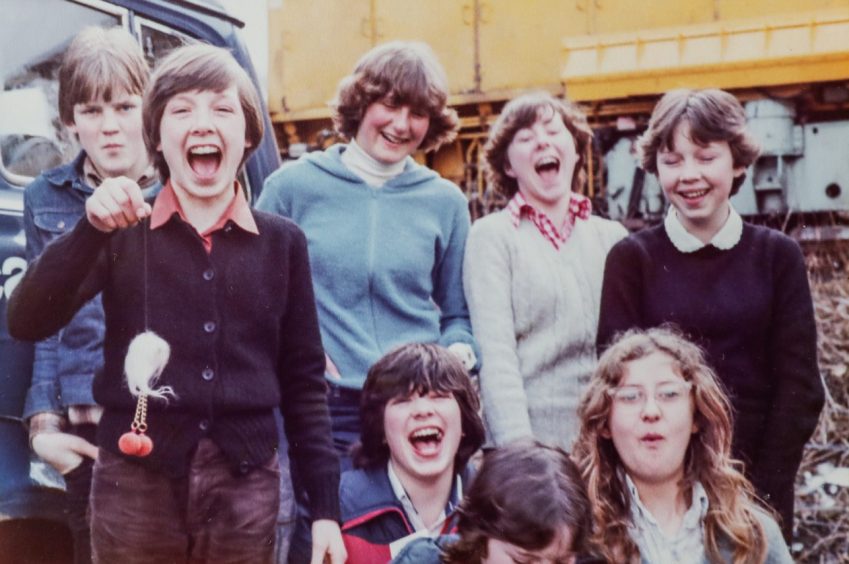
(372, 171)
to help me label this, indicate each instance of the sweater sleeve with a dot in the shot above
(455, 325)
(304, 391)
(70, 271)
(621, 293)
(488, 284)
(798, 394)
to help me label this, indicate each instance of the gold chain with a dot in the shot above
(140, 419)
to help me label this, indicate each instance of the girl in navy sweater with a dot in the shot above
(741, 291)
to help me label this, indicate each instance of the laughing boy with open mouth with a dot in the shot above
(229, 289)
(419, 416)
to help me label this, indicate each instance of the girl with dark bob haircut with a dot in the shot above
(406, 371)
(420, 426)
(527, 504)
(713, 115)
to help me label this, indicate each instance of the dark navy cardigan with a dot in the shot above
(242, 326)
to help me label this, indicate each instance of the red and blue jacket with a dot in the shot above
(373, 518)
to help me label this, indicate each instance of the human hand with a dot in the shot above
(62, 451)
(116, 204)
(331, 369)
(327, 545)
(465, 353)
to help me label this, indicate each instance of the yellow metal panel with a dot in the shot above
(613, 16)
(446, 25)
(805, 48)
(313, 44)
(520, 42)
(754, 9)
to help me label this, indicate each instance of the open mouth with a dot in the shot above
(204, 160)
(426, 441)
(548, 168)
(693, 195)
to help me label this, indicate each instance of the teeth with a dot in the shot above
(426, 433)
(696, 194)
(203, 150)
(394, 139)
(547, 161)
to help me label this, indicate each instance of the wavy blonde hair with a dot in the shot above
(733, 506)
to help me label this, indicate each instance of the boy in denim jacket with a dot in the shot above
(101, 81)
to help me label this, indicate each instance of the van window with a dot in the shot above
(32, 138)
(157, 40)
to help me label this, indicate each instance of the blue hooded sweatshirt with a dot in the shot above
(386, 262)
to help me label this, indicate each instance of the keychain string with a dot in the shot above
(145, 224)
(139, 423)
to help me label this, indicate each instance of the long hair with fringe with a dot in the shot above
(732, 514)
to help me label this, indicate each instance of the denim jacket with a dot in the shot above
(65, 363)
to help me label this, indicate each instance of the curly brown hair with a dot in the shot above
(712, 114)
(401, 73)
(525, 494)
(733, 506)
(407, 370)
(523, 112)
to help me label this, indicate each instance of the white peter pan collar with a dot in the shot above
(726, 238)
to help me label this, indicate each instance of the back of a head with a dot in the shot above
(525, 494)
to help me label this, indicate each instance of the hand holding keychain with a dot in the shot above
(146, 358)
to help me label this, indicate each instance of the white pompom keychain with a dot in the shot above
(147, 356)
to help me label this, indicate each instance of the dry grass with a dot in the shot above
(822, 506)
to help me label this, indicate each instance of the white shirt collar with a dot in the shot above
(371, 170)
(726, 238)
(413, 515)
(655, 546)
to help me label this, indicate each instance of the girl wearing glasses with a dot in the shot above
(740, 290)
(655, 451)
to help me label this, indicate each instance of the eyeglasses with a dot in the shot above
(667, 393)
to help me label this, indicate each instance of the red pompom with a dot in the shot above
(129, 443)
(145, 446)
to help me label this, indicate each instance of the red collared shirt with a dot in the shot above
(579, 208)
(167, 204)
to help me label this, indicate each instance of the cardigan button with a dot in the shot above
(207, 374)
(208, 274)
(204, 425)
(209, 326)
(244, 467)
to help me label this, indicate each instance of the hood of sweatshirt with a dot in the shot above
(330, 161)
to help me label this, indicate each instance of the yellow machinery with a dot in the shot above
(614, 57)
